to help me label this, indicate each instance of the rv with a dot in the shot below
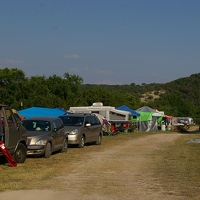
(109, 112)
(119, 120)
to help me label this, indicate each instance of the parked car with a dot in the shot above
(45, 135)
(82, 129)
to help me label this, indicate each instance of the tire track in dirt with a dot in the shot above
(122, 172)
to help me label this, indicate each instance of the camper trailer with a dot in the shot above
(109, 112)
(120, 120)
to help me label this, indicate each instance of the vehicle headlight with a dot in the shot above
(74, 132)
(41, 142)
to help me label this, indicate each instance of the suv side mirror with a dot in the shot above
(55, 129)
(88, 125)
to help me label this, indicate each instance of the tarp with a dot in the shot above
(145, 116)
(41, 111)
(146, 113)
(126, 108)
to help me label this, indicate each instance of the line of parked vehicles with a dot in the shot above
(41, 136)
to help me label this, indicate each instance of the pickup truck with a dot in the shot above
(14, 135)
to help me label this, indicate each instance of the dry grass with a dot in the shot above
(175, 167)
(37, 173)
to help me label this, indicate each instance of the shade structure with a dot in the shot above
(146, 109)
(126, 108)
(41, 111)
(148, 120)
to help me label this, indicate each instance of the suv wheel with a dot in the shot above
(98, 142)
(20, 153)
(82, 142)
(47, 153)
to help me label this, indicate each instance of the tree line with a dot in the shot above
(180, 97)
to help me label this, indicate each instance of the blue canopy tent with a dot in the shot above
(135, 115)
(125, 108)
(41, 111)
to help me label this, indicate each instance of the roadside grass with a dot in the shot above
(176, 166)
(37, 173)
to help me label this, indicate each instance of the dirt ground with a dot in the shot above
(132, 179)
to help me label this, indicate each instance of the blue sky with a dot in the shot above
(102, 41)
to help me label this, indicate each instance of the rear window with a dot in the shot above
(92, 120)
(72, 120)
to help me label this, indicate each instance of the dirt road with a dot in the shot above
(122, 172)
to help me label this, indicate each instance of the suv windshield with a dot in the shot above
(72, 120)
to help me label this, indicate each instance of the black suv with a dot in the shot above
(82, 129)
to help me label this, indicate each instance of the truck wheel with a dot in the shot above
(20, 153)
(65, 146)
(47, 152)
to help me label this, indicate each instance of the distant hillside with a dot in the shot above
(179, 98)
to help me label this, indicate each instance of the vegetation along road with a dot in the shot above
(126, 166)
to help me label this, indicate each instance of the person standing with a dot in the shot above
(106, 126)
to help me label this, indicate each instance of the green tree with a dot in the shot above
(11, 81)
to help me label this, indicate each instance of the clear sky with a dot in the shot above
(102, 41)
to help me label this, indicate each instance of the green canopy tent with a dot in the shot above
(148, 119)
